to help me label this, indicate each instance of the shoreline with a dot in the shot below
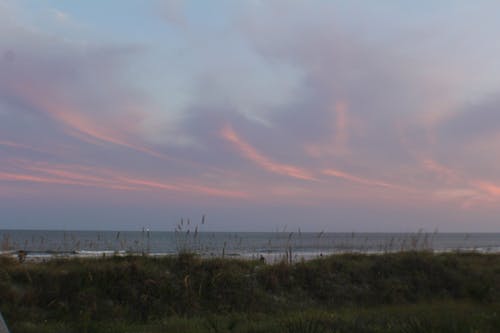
(268, 257)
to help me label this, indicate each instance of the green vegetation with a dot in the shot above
(401, 292)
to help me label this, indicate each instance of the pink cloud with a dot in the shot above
(76, 175)
(20, 177)
(444, 172)
(491, 189)
(341, 124)
(261, 160)
(114, 130)
(358, 180)
(20, 146)
(337, 143)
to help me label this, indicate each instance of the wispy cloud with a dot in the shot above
(76, 123)
(447, 174)
(78, 175)
(358, 180)
(20, 146)
(336, 142)
(261, 160)
(493, 190)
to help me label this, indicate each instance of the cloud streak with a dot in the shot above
(76, 175)
(77, 124)
(359, 180)
(20, 146)
(252, 154)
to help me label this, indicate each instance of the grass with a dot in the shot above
(428, 318)
(395, 292)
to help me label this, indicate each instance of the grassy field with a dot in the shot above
(401, 292)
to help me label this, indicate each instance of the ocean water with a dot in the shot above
(40, 244)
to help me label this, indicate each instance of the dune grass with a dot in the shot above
(398, 292)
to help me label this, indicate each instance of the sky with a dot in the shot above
(262, 115)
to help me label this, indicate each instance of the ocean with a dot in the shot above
(46, 244)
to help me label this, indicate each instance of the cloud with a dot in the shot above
(358, 180)
(77, 85)
(474, 121)
(369, 87)
(337, 144)
(371, 107)
(492, 190)
(336, 106)
(98, 177)
(443, 172)
(261, 160)
(22, 146)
